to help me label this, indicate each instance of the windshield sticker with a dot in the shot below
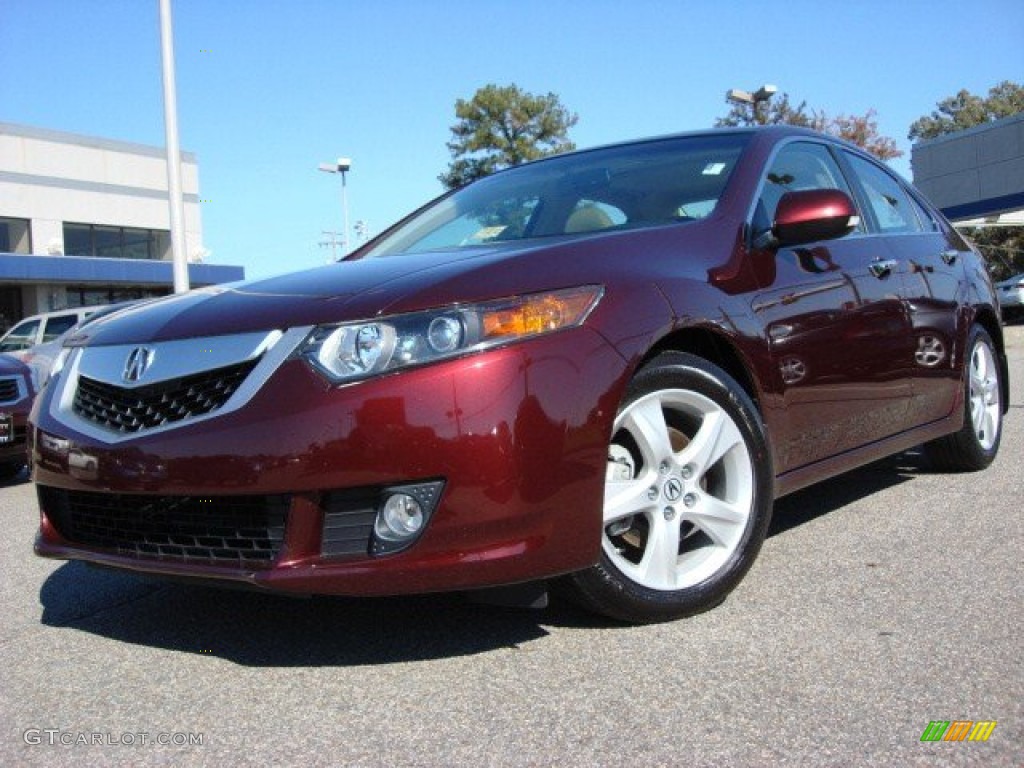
(487, 233)
(713, 169)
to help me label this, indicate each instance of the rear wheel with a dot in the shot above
(688, 495)
(976, 444)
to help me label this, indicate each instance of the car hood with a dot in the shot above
(11, 366)
(367, 288)
(348, 290)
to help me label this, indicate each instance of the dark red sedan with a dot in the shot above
(16, 393)
(602, 367)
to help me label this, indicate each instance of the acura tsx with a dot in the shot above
(597, 370)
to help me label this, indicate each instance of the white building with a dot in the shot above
(85, 220)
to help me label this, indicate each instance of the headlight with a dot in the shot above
(355, 351)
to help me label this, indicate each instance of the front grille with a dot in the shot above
(129, 410)
(9, 391)
(240, 531)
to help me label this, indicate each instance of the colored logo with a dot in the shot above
(958, 730)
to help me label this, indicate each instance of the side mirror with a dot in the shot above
(813, 214)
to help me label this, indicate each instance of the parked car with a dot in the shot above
(40, 357)
(39, 329)
(600, 368)
(16, 394)
(1011, 296)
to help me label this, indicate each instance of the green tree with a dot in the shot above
(503, 126)
(861, 130)
(777, 111)
(1002, 247)
(966, 110)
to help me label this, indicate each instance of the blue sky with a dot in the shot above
(268, 89)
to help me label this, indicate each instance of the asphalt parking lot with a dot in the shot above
(882, 601)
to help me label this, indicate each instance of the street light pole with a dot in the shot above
(177, 206)
(342, 167)
(761, 96)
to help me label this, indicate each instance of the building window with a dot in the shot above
(115, 242)
(14, 236)
(91, 296)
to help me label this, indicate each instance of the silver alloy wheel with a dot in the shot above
(986, 410)
(679, 490)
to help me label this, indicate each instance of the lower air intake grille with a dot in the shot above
(9, 391)
(348, 522)
(240, 531)
(124, 409)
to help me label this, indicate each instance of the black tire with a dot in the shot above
(976, 443)
(720, 505)
(10, 471)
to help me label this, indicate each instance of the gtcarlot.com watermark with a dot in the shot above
(55, 737)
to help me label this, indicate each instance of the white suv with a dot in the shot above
(43, 327)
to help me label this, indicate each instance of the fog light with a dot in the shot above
(400, 518)
(402, 515)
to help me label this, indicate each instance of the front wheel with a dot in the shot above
(976, 444)
(688, 495)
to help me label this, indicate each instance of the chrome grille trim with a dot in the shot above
(181, 359)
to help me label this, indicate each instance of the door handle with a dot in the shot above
(950, 256)
(882, 268)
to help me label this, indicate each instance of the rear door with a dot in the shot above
(931, 259)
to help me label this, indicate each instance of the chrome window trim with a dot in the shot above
(274, 346)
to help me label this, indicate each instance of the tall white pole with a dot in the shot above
(344, 210)
(173, 152)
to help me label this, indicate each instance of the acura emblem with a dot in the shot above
(139, 360)
(673, 489)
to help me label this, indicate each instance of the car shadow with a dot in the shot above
(824, 498)
(266, 630)
(257, 629)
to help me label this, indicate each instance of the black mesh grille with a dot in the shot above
(8, 389)
(240, 531)
(129, 410)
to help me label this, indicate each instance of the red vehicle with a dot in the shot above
(601, 368)
(16, 393)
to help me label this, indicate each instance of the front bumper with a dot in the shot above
(517, 435)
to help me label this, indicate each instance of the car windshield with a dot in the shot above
(638, 185)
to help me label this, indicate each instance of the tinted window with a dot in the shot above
(55, 326)
(798, 166)
(891, 205)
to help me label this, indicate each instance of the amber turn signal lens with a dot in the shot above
(530, 315)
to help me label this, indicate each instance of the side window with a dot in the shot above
(55, 326)
(21, 336)
(891, 205)
(798, 166)
(928, 222)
